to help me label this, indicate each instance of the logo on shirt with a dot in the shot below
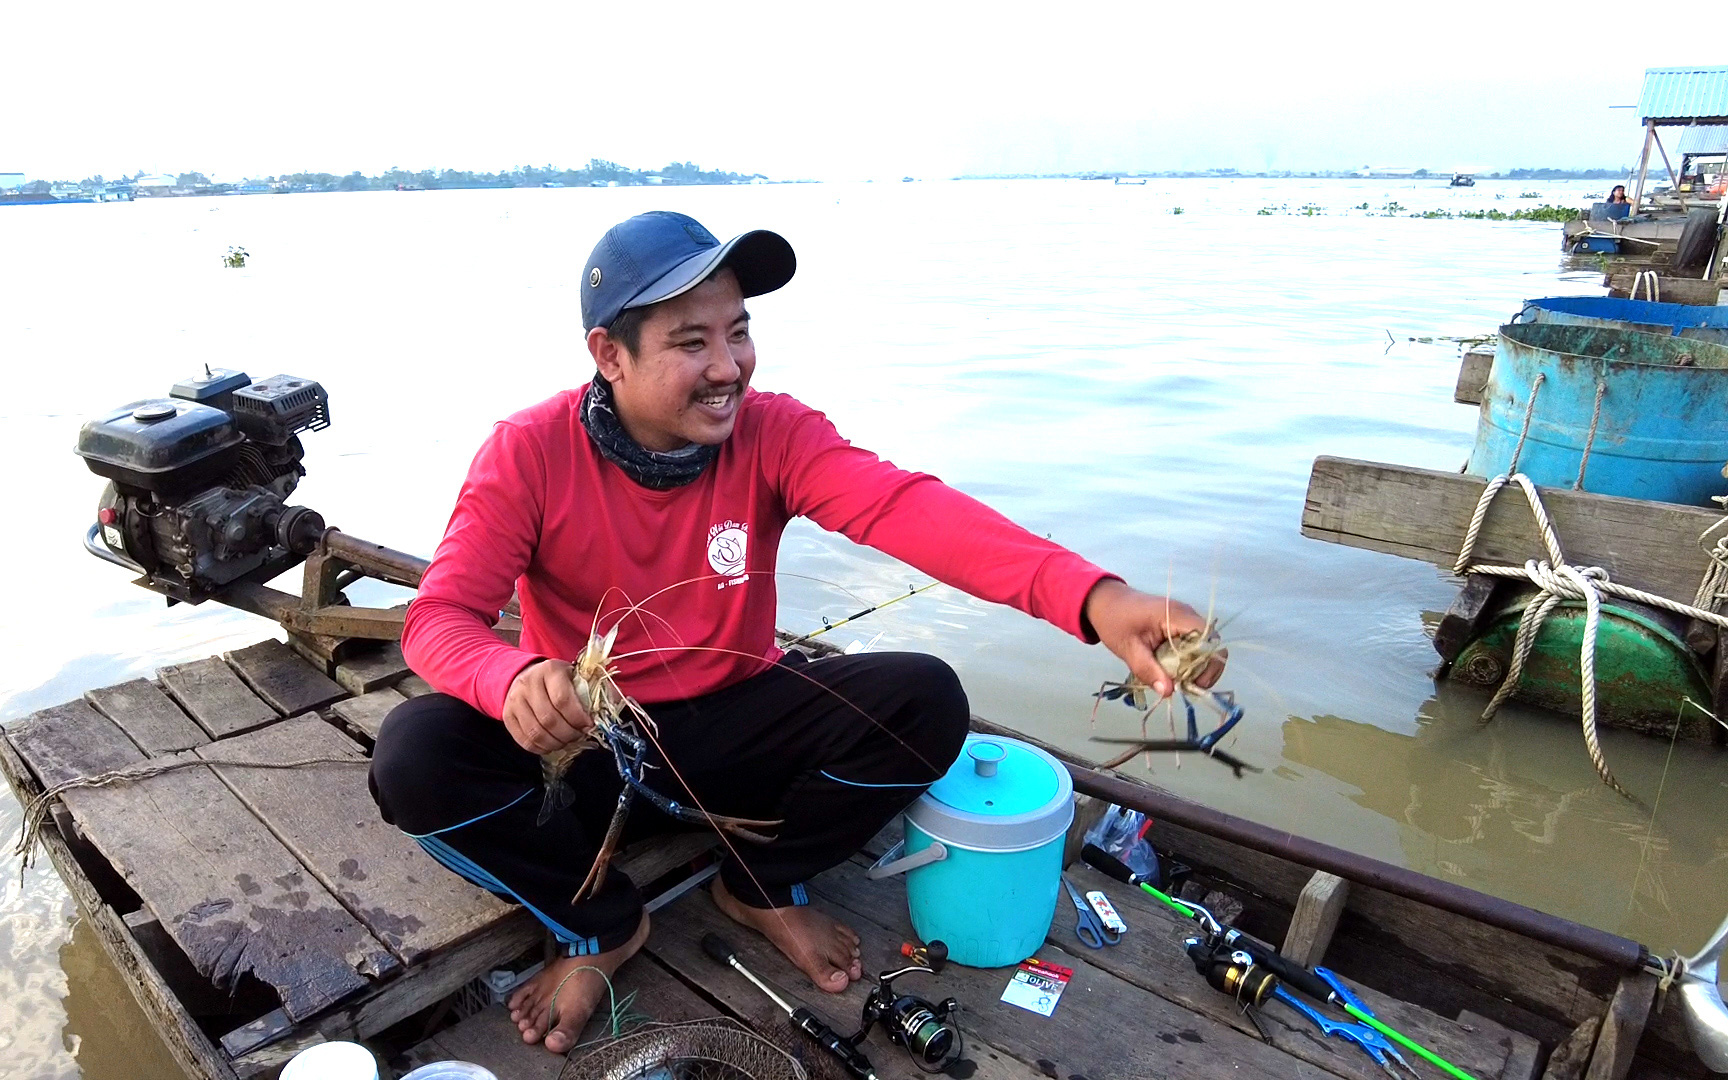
(728, 542)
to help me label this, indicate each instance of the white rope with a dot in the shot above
(1590, 440)
(1557, 580)
(1714, 585)
(1652, 283)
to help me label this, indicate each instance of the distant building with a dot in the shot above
(154, 185)
(11, 181)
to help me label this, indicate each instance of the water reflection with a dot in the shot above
(1508, 807)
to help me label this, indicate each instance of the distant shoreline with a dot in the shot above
(607, 174)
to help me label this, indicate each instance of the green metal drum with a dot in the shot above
(1644, 672)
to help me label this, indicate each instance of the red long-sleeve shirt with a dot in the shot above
(544, 514)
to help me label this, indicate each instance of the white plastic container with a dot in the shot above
(451, 1070)
(332, 1061)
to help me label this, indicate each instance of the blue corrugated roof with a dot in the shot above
(1703, 139)
(1681, 93)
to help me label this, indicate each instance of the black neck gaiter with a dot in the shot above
(651, 469)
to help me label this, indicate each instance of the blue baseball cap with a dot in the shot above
(660, 254)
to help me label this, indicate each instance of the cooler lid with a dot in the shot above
(999, 795)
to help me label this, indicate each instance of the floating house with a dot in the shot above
(1673, 226)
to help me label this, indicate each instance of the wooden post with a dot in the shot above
(1473, 375)
(1316, 917)
(1569, 1058)
(1622, 1027)
(1470, 609)
(1643, 163)
(1087, 811)
(1657, 139)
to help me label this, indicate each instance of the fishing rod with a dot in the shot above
(848, 1055)
(911, 591)
(1291, 973)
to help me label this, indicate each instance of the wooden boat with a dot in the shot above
(255, 911)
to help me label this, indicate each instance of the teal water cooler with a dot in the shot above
(983, 852)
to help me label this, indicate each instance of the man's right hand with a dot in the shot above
(541, 711)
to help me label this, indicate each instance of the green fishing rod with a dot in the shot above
(911, 591)
(1293, 974)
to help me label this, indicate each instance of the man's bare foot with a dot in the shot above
(578, 994)
(821, 946)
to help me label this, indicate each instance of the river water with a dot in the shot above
(1147, 387)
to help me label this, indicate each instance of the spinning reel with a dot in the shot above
(1231, 971)
(926, 1030)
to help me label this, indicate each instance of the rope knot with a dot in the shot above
(1673, 970)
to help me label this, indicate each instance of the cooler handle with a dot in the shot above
(891, 863)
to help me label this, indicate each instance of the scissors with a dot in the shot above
(1088, 927)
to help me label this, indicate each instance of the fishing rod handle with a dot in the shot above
(718, 949)
(850, 1057)
(1292, 974)
(1105, 863)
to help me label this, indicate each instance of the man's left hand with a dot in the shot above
(1132, 624)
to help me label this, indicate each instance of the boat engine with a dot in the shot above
(198, 481)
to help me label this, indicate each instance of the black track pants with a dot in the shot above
(834, 748)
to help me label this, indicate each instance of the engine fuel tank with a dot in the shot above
(166, 446)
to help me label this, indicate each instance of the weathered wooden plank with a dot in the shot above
(215, 697)
(233, 898)
(326, 817)
(1422, 514)
(1151, 957)
(1470, 609)
(367, 712)
(269, 1028)
(414, 686)
(1674, 288)
(267, 1061)
(1522, 1051)
(1087, 812)
(1570, 1058)
(198, 994)
(191, 1048)
(503, 941)
(650, 860)
(288, 683)
(147, 717)
(490, 1038)
(1452, 962)
(67, 741)
(1377, 926)
(676, 942)
(1317, 911)
(1622, 1027)
(1473, 375)
(373, 669)
(435, 979)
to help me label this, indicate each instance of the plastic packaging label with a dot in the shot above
(1037, 986)
(1106, 912)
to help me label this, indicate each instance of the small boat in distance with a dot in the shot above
(1463, 179)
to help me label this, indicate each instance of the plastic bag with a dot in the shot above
(1120, 832)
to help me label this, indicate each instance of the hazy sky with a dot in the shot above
(824, 90)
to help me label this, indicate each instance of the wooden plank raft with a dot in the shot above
(224, 888)
(1422, 514)
(357, 930)
(324, 815)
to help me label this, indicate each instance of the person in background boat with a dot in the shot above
(667, 471)
(1618, 195)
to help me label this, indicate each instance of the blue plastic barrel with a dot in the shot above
(1611, 312)
(1663, 432)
